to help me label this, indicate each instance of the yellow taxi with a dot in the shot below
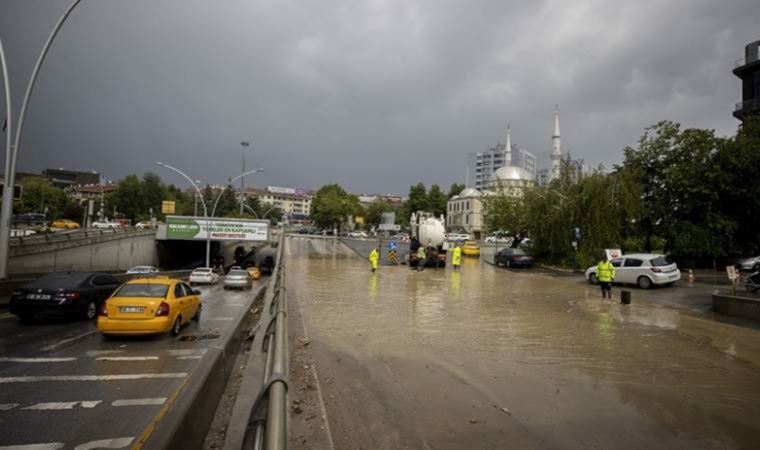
(65, 223)
(471, 248)
(149, 306)
(254, 272)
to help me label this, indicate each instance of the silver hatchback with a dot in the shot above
(238, 279)
(642, 269)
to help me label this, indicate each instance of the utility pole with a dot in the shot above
(244, 145)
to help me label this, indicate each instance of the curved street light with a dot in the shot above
(11, 155)
(239, 177)
(205, 210)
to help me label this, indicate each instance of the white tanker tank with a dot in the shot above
(430, 232)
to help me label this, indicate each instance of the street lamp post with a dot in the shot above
(241, 176)
(11, 151)
(244, 145)
(205, 210)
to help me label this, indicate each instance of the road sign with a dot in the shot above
(168, 207)
(732, 273)
(217, 229)
(389, 227)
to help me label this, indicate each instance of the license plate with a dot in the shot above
(131, 309)
(38, 296)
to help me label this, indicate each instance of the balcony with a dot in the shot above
(742, 65)
(747, 106)
(744, 61)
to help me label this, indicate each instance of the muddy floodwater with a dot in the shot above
(492, 358)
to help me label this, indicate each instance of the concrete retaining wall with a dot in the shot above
(732, 305)
(106, 252)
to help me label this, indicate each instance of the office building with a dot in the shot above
(748, 70)
(294, 203)
(63, 178)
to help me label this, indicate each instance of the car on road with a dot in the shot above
(149, 306)
(105, 225)
(751, 264)
(471, 248)
(357, 234)
(514, 257)
(454, 237)
(65, 224)
(144, 225)
(254, 272)
(67, 294)
(238, 279)
(204, 275)
(142, 270)
(642, 269)
(267, 267)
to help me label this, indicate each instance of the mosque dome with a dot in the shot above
(469, 192)
(512, 173)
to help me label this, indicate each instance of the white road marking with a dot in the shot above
(131, 376)
(8, 406)
(66, 341)
(50, 446)
(56, 406)
(139, 402)
(127, 358)
(199, 351)
(190, 357)
(94, 353)
(220, 318)
(106, 443)
(36, 360)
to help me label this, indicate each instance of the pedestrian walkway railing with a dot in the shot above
(267, 424)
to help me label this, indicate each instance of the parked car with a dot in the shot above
(149, 306)
(357, 234)
(238, 279)
(471, 248)
(455, 237)
(105, 225)
(642, 269)
(68, 294)
(254, 272)
(31, 219)
(142, 269)
(204, 275)
(144, 225)
(514, 257)
(65, 224)
(749, 264)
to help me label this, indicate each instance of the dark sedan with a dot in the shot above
(67, 294)
(514, 257)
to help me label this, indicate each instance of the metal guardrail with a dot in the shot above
(66, 236)
(268, 419)
(744, 61)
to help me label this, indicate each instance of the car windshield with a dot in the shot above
(518, 252)
(202, 271)
(58, 280)
(238, 272)
(660, 261)
(143, 290)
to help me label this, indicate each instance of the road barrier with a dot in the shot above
(259, 416)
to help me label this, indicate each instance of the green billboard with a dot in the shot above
(217, 229)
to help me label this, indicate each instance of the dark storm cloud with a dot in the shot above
(376, 95)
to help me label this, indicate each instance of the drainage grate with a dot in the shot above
(199, 337)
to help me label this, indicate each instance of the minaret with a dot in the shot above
(556, 149)
(508, 148)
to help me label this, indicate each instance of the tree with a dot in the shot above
(374, 212)
(128, 199)
(437, 200)
(40, 195)
(456, 189)
(503, 211)
(332, 205)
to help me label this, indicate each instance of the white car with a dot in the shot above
(454, 237)
(204, 275)
(142, 270)
(642, 269)
(357, 234)
(500, 239)
(105, 225)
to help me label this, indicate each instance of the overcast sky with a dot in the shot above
(375, 95)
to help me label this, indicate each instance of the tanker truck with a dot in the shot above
(429, 232)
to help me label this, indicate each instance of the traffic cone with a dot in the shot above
(691, 276)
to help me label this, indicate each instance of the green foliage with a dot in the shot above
(503, 210)
(40, 195)
(436, 200)
(374, 212)
(456, 189)
(332, 205)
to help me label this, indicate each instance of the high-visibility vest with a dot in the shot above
(605, 272)
(456, 256)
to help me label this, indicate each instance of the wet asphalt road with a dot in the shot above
(494, 358)
(63, 386)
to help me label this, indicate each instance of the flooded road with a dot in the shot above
(489, 358)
